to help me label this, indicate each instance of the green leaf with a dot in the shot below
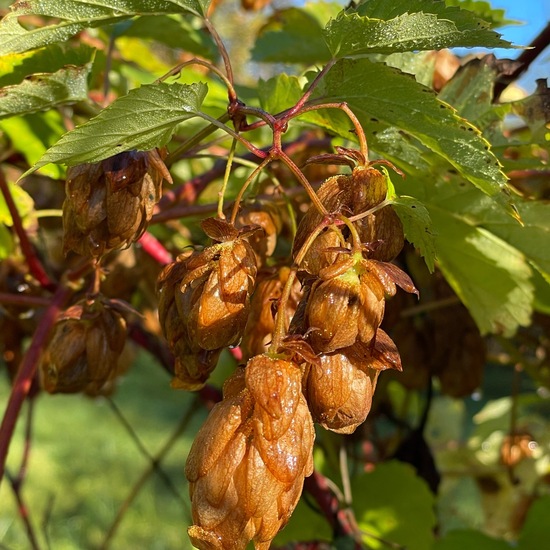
(468, 538)
(536, 528)
(394, 504)
(279, 93)
(417, 226)
(44, 91)
(490, 275)
(14, 68)
(373, 90)
(352, 34)
(465, 21)
(304, 524)
(6, 242)
(23, 202)
(31, 135)
(143, 119)
(72, 16)
(295, 35)
(175, 32)
(494, 16)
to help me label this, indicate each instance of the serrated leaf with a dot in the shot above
(375, 90)
(491, 277)
(295, 35)
(31, 135)
(14, 68)
(494, 16)
(44, 91)
(143, 119)
(463, 19)
(488, 269)
(72, 16)
(393, 504)
(417, 226)
(279, 93)
(468, 538)
(352, 34)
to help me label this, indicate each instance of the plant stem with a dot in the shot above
(27, 370)
(227, 173)
(34, 264)
(155, 249)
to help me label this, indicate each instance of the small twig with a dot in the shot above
(155, 249)
(23, 300)
(35, 266)
(27, 370)
(182, 426)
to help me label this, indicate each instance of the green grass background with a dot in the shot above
(83, 464)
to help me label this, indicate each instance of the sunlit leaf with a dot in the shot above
(14, 68)
(351, 34)
(31, 135)
(72, 16)
(143, 119)
(392, 503)
(373, 90)
(495, 16)
(23, 202)
(279, 93)
(43, 91)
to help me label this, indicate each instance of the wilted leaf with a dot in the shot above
(72, 16)
(44, 91)
(143, 119)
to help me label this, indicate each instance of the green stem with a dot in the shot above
(226, 175)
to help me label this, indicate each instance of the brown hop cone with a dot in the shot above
(266, 217)
(340, 386)
(84, 348)
(193, 364)
(108, 204)
(247, 465)
(350, 195)
(261, 320)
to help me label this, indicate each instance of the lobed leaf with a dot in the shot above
(352, 34)
(375, 91)
(44, 91)
(73, 16)
(279, 93)
(143, 119)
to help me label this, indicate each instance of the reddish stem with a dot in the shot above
(35, 266)
(27, 370)
(155, 249)
(24, 300)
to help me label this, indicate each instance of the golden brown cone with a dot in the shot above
(108, 204)
(247, 465)
(263, 305)
(84, 348)
(339, 388)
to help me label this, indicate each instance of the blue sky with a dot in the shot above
(535, 14)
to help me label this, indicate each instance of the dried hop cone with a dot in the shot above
(83, 352)
(350, 195)
(108, 204)
(339, 387)
(346, 304)
(247, 465)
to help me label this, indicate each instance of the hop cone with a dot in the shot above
(108, 204)
(84, 349)
(247, 465)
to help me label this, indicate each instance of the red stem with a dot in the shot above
(35, 267)
(155, 249)
(26, 372)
